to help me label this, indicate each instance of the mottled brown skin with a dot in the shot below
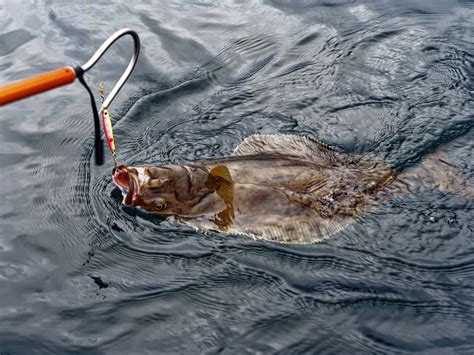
(300, 197)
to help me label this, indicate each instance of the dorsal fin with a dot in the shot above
(286, 144)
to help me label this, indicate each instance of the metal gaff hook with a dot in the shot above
(99, 147)
(66, 75)
(101, 51)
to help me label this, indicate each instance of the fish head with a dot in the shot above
(167, 189)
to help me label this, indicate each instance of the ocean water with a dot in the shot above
(80, 272)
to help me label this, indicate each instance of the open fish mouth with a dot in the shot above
(128, 181)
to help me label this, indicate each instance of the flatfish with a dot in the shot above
(282, 188)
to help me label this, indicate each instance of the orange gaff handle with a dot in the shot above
(36, 84)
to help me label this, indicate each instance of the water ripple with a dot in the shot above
(80, 272)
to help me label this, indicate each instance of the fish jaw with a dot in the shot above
(130, 180)
(121, 178)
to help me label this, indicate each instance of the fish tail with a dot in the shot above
(435, 170)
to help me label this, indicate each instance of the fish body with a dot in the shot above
(282, 188)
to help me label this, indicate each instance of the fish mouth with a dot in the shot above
(127, 180)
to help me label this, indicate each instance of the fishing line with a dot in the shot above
(106, 120)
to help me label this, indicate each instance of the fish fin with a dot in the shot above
(224, 218)
(296, 232)
(222, 172)
(287, 144)
(220, 181)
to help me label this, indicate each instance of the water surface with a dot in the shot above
(80, 272)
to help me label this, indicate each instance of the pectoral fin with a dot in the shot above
(220, 181)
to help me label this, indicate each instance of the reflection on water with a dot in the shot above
(393, 79)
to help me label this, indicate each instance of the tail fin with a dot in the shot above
(435, 170)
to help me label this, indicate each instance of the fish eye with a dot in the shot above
(159, 206)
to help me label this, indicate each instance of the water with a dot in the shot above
(80, 272)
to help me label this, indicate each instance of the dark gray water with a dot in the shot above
(80, 272)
